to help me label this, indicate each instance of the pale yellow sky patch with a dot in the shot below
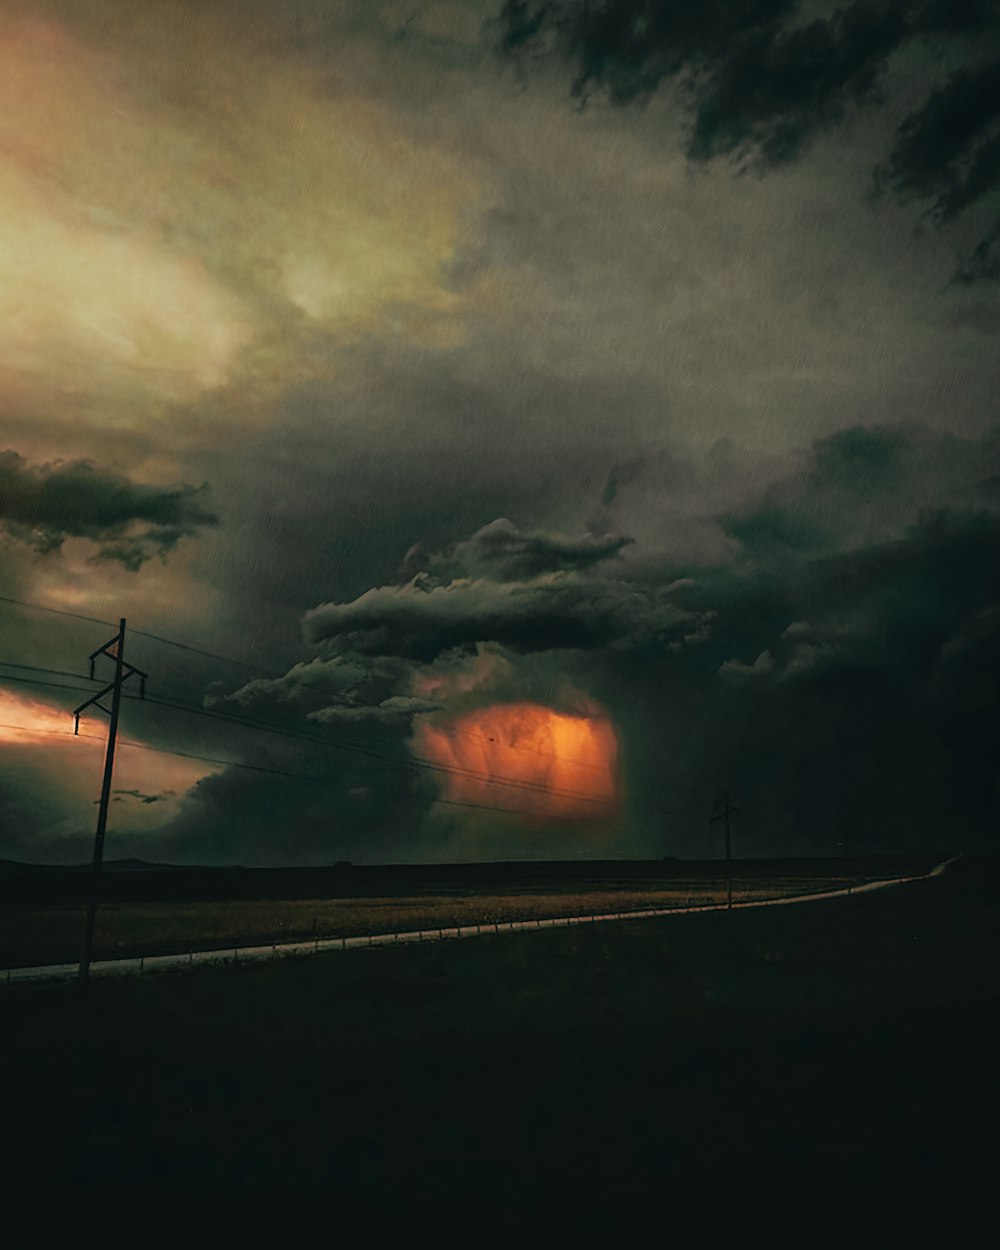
(172, 224)
(164, 590)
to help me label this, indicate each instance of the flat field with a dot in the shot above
(32, 932)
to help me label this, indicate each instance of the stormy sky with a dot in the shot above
(633, 360)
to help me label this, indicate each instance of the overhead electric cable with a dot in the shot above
(415, 764)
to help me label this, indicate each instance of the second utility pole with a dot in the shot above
(725, 811)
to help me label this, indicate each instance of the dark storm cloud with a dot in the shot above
(341, 688)
(45, 504)
(502, 550)
(429, 446)
(966, 674)
(345, 679)
(763, 79)
(616, 341)
(34, 809)
(841, 679)
(531, 591)
(853, 696)
(949, 151)
(341, 803)
(398, 709)
(560, 610)
(865, 484)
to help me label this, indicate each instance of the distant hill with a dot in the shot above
(138, 881)
(14, 866)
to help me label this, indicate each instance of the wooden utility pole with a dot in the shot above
(725, 811)
(123, 672)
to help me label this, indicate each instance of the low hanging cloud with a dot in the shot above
(410, 649)
(473, 594)
(558, 610)
(503, 550)
(129, 522)
(398, 710)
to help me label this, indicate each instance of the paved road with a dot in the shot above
(180, 962)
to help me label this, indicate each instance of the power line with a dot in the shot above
(256, 768)
(213, 655)
(147, 746)
(169, 642)
(414, 764)
(256, 669)
(467, 733)
(39, 607)
(34, 668)
(37, 668)
(53, 685)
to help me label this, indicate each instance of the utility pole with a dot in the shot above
(725, 811)
(123, 672)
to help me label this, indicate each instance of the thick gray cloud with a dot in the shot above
(502, 550)
(398, 709)
(472, 596)
(45, 504)
(763, 80)
(867, 484)
(600, 419)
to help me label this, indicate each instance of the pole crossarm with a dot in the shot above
(123, 672)
(92, 702)
(128, 670)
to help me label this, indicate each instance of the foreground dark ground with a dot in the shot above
(826, 1061)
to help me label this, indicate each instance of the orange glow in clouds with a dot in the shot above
(564, 767)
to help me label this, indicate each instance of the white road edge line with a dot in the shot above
(144, 964)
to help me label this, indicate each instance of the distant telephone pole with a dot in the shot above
(123, 672)
(724, 810)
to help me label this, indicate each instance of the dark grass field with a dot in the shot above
(773, 1072)
(148, 913)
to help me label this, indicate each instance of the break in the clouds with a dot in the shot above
(673, 414)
